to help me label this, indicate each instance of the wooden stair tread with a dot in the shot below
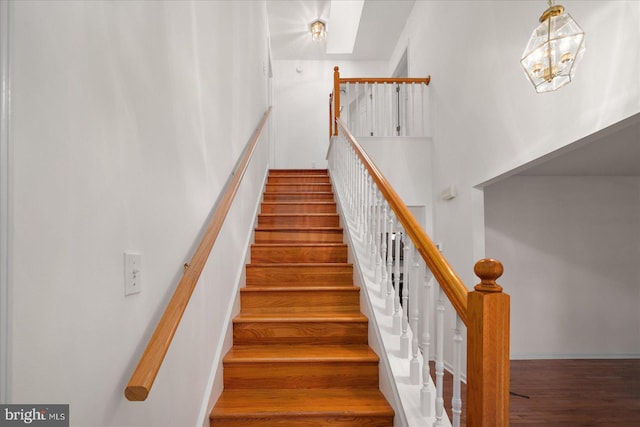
(300, 353)
(293, 288)
(296, 402)
(299, 245)
(301, 264)
(310, 202)
(280, 193)
(297, 170)
(286, 215)
(300, 317)
(301, 229)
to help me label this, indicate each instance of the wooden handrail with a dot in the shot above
(145, 373)
(451, 284)
(330, 115)
(336, 97)
(425, 80)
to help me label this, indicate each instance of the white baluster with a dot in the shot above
(359, 202)
(375, 110)
(369, 219)
(346, 111)
(391, 104)
(373, 225)
(383, 250)
(423, 109)
(456, 400)
(410, 110)
(397, 316)
(368, 108)
(439, 359)
(414, 312)
(349, 186)
(365, 202)
(380, 109)
(406, 285)
(376, 236)
(358, 119)
(389, 297)
(425, 392)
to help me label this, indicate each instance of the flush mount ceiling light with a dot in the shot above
(554, 50)
(318, 30)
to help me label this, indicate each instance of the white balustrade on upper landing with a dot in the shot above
(380, 106)
(384, 108)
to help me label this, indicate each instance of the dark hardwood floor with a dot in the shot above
(571, 393)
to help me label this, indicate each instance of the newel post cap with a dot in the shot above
(488, 270)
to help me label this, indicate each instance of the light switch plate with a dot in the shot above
(132, 273)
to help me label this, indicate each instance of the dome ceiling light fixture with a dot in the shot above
(554, 50)
(318, 30)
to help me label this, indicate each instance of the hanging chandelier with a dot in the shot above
(554, 50)
(318, 30)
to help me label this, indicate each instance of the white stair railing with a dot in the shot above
(399, 278)
(402, 266)
(384, 108)
(381, 106)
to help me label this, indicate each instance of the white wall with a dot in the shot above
(406, 163)
(301, 107)
(572, 246)
(127, 120)
(486, 116)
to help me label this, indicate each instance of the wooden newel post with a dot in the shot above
(336, 97)
(331, 119)
(488, 349)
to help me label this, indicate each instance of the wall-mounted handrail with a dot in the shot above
(145, 373)
(451, 284)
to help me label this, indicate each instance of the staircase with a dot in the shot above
(300, 355)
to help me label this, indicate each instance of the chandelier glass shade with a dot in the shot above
(554, 50)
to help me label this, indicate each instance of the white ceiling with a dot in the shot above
(381, 24)
(613, 151)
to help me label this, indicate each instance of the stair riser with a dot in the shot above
(312, 301)
(298, 179)
(299, 332)
(303, 275)
(299, 208)
(302, 421)
(287, 172)
(280, 254)
(292, 188)
(298, 220)
(297, 197)
(292, 375)
(297, 236)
